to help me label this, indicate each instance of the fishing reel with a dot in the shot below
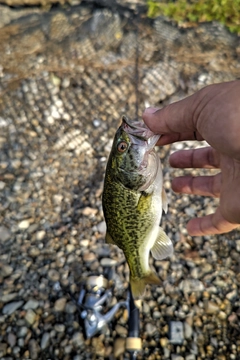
(94, 298)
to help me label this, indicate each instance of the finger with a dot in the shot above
(174, 118)
(199, 185)
(210, 224)
(171, 138)
(207, 158)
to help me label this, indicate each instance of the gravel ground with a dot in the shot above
(56, 133)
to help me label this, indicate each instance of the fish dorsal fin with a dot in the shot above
(108, 239)
(164, 201)
(163, 246)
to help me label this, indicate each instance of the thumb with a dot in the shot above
(174, 118)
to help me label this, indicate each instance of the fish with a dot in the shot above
(133, 200)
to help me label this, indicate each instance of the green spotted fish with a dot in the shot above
(133, 199)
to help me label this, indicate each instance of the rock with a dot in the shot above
(31, 304)
(70, 248)
(119, 347)
(150, 329)
(176, 357)
(12, 307)
(22, 332)
(188, 330)
(222, 315)
(88, 211)
(176, 332)
(105, 262)
(8, 297)
(191, 285)
(5, 270)
(34, 251)
(60, 304)
(121, 330)
(89, 257)
(23, 225)
(45, 340)
(233, 295)
(78, 340)
(59, 327)
(211, 307)
(5, 234)
(40, 235)
(190, 357)
(11, 339)
(53, 275)
(34, 349)
(3, 349)
(2, 186)
(237, 243)
(70, 308)
(164, 342)
(30, 317)
(102, 227)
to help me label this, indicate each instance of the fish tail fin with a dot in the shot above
(138, 284)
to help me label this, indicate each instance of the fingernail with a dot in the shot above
(150, 110)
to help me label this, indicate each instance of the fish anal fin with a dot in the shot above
(164, 201)
(138, 285)
(108, 239)
(163, 246)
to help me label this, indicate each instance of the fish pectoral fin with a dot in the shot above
(163, 246)
(164, 201)
(108, 239)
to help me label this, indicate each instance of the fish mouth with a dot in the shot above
(138, 131)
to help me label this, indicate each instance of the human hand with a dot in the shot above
(211, 114)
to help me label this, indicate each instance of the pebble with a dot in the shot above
(108, 262)
(34, 349)
(211, 307)
(34, 251)
(78, 340)
(119, 347)
(59, 327)
(88, 211)
(11, 339)
(237, 244)
(3, 349)
(8, 297)
(22, 332)
(6, 270)
(30, 316)
(2, 186)
(5, 234)
(150, 329)
(121, 330)
(102, 227)
(31, 304)
(60, 304)
(12, 307)
(40, 235)
(45, 340)
(53, 275)
(190, 285)
(233, 295)
(188, 330)
(24, 224)
(70, 308)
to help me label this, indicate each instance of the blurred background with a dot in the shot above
(67, 75)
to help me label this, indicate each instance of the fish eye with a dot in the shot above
(122, 146)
